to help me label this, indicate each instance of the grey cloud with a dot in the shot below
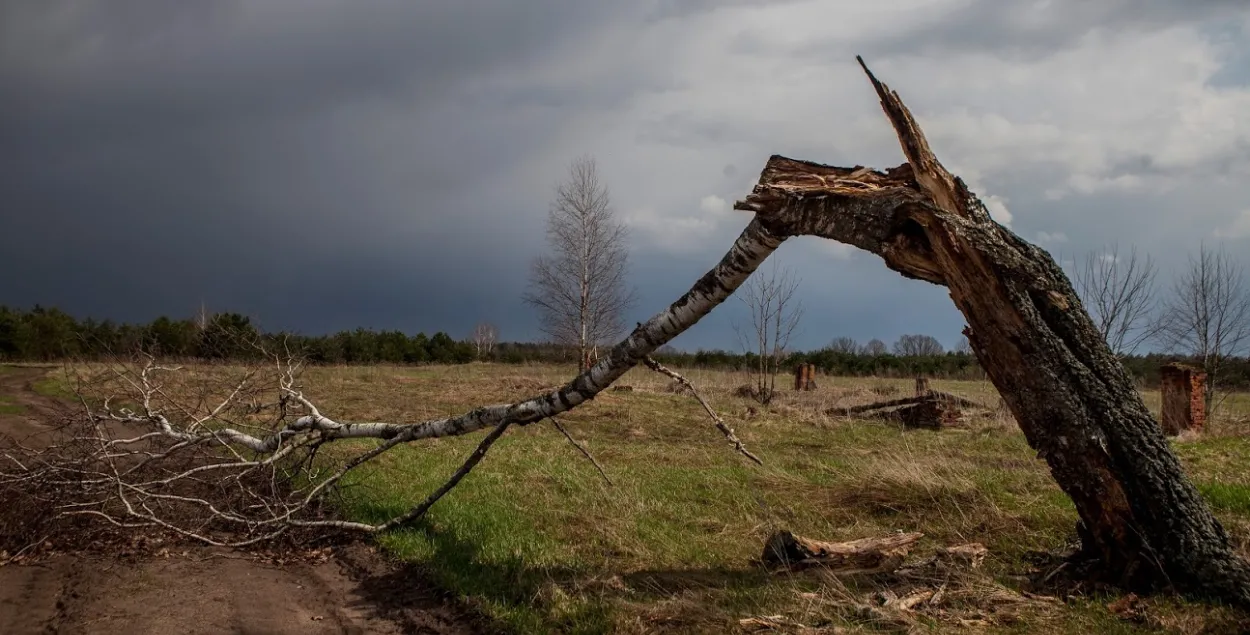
(1031, 30)
(324, 165)
(272, 157)
(676, 9)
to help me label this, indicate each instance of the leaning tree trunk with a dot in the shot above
(1074, 401)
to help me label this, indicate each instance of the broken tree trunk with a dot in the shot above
(1140, 515)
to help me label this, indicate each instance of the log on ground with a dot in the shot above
(784, 550)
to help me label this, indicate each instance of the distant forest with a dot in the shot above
(48, 335)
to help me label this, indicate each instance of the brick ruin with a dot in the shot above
(1184, 399)
(805, 377)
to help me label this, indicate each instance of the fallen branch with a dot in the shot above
(223, 464)
(716, 419)
(582, 449)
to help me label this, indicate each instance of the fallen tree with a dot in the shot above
(1142, 520)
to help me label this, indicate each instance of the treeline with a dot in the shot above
(44, 334)
(49, 334)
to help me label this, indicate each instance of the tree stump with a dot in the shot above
(1184, 399)
(922, 386)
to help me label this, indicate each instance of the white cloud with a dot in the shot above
(994, 203)
(713, 204)
(1106, 132)
(1238, 228)
(997, 206)
(837, 250)
(679, 233)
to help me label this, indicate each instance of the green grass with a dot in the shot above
(54, 386)
(538, 542)
(1227, 497)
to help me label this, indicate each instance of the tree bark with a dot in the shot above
(1076, 405)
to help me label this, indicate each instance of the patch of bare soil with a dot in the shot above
(178, 587)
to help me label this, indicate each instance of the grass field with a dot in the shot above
(536, 540)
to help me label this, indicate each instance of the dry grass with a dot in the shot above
(539, 542)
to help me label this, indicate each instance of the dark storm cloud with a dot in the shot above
(280, 158)
(1037, 29)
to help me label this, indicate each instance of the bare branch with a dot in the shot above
(774, 314)
(581, 448)
(1119, 293)
(716, 419)
(227, 455)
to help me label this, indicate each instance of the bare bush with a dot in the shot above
(1119, 293)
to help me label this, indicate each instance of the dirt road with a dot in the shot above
(199, 590)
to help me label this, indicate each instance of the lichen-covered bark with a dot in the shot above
(1072, 398)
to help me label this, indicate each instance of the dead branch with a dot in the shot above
(716, 419)
(235, 461)
(581, 448)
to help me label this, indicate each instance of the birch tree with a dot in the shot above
(484, 336)
(579, 286)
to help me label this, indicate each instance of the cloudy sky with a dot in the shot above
(323, 164)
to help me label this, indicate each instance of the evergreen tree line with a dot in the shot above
(49, 334)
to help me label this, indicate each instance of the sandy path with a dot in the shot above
(203, 590)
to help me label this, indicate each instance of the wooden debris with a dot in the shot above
(1129, 607)
(933, 410)
(782, 624)
(784, 550)
(971, 554)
